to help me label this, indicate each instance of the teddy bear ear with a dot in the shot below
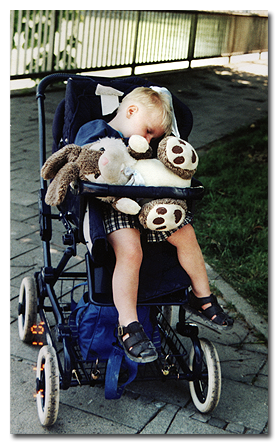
(57, 190)
(56, 161)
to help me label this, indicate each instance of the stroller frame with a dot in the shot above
(61, 357)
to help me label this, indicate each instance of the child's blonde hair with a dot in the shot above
(153, 100)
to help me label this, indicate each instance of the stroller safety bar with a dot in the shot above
(104, 190)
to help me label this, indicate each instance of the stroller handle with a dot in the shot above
(194, 192)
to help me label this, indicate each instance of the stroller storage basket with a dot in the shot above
(172, 362)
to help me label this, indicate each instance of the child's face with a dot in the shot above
(144, 123)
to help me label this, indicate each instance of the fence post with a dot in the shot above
(135, 44)
(52, 31)
(232, 36)
(192, 38)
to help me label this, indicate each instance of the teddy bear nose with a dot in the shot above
(104, 160)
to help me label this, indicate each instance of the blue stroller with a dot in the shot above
(54, 292)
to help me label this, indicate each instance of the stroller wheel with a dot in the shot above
(27, 308)
(48, 387)
(205, 391)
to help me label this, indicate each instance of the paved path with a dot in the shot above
(221, 99)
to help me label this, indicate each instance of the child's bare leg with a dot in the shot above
(192, 261)
(127, 247)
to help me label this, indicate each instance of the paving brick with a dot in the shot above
(70, 421)
(182, 425)
(235, 428)
(216, 422)
(21, 213)
(253, 432)
(18, 248)
(33, 184)
(239, 364)
(171, 392)
(242, 404)
(201, 417)
(21, 229)
(126, 411)
(23, 197)
(161, 422)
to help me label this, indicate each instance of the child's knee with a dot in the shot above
(132, 254)
(127, 247)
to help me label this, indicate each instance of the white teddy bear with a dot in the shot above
(109, 161)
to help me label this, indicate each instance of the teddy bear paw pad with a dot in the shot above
(127, 206)
(165, 217)
(181, 154)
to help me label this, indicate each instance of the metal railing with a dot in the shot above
(45, 41)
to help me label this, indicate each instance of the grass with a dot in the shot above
(231, 221)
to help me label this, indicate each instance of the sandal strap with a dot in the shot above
(132, 328)
(136, 334)
(199, 302)
(137, 342)
(214, 310)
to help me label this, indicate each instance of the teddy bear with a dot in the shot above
(110, 161)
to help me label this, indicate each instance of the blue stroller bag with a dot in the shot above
(96, 331)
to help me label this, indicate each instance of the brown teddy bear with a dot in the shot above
(109, 161)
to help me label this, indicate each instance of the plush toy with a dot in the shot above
(108, 160)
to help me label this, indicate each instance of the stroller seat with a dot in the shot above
(160, 274)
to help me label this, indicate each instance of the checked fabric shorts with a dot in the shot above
(113, 221)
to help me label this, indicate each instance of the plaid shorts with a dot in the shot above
(113, 221)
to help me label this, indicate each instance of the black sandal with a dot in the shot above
(221, 321)
(137, 346)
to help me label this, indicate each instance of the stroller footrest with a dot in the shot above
(187, 330)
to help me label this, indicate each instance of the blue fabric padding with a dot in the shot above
(93, 131)
(99, 246)
(160, 274)
(81, 105)
(58, 124)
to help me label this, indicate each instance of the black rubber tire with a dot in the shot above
(206, 392)
(27, 316)
(48, 386)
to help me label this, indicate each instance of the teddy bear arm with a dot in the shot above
(123, 204)
(138, 156)
(57, 190)
(138, 148)
(126, 205)
(56, 161)
(179, 156)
